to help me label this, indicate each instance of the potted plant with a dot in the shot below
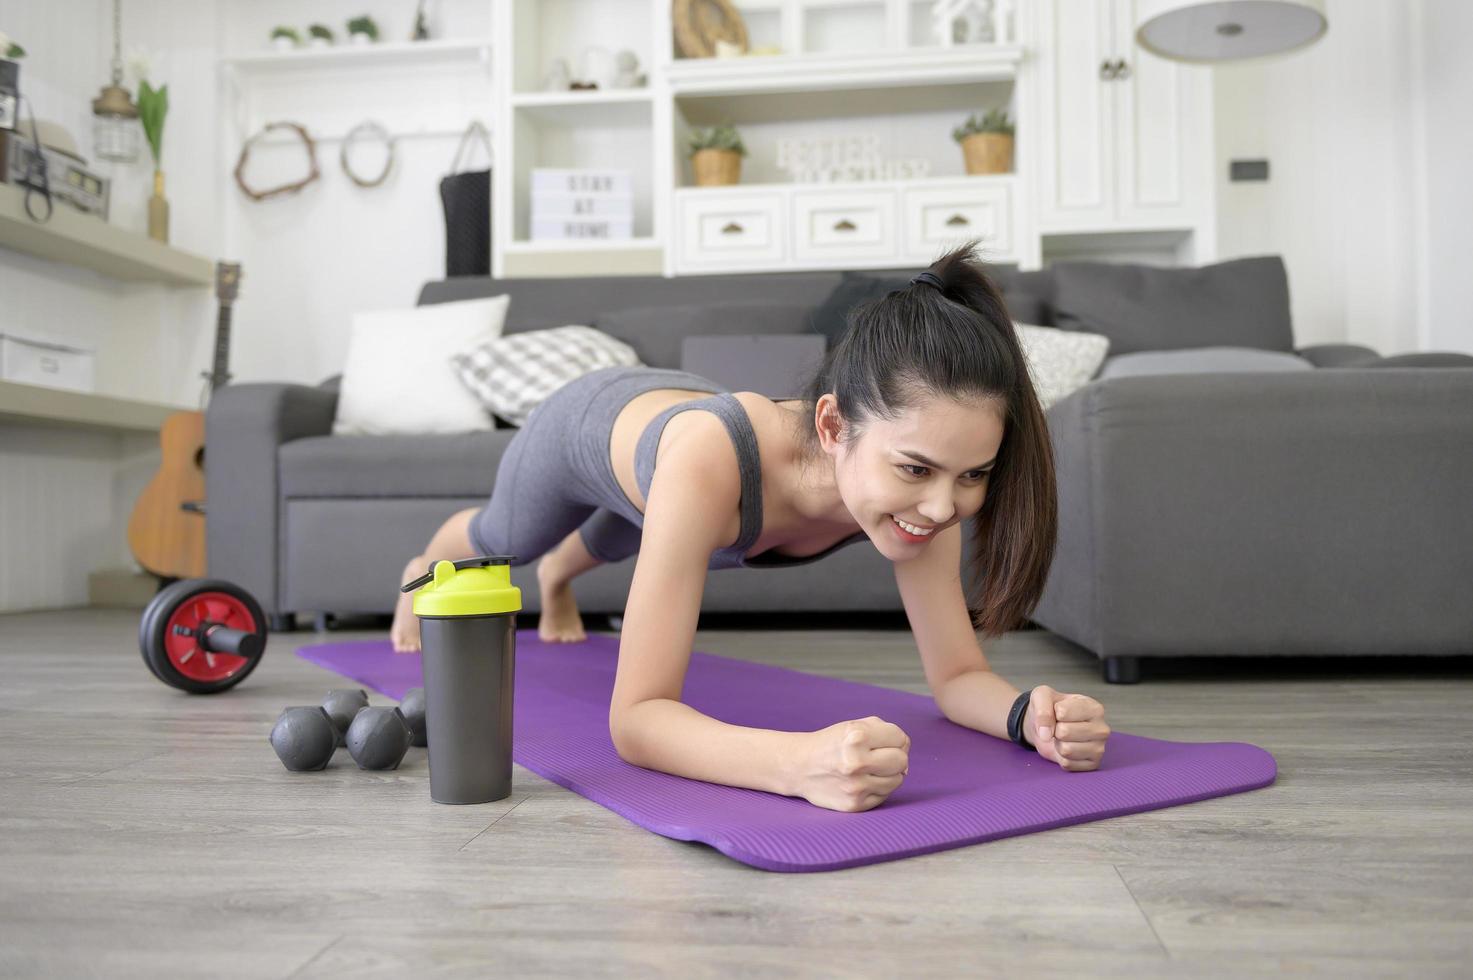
(716, 155)
(362, 30)
(285, 38)
(153, 106)
(9, 49)
(987, 142)
(319, 36)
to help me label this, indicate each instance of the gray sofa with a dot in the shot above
(1315, 505)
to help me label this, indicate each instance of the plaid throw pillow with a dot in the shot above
(513, 373)
(1060, 362)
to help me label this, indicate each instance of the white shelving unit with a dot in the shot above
(581, 129)
(1097, 164)
(850, 66)
(846, 67)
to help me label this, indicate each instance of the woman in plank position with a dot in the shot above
(921, 416)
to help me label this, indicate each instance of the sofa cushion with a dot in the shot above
(1202, 360)
(398, 376)
(541, 302)
(1242, 303)
(450, 465)
(512, 375)
(1025, 293)
(656, 332)
(1425, 359)
(776, 365)
(1060, 362)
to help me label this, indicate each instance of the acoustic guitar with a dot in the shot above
(167, 530)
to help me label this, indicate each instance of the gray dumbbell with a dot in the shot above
(342, 705)
(378, 738)
(304, 738)
(413, 708)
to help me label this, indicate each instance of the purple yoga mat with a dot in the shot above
(964, 787)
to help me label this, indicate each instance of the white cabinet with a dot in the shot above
(877, 224)
(1125, 137)
(730, 229)
(937, 217)
(843, 226)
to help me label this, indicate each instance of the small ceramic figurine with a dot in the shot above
(627, 76)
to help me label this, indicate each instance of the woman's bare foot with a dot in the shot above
(559, 621)
(404, 632)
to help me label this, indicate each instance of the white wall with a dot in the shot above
(1339, 124)
(1446, 205)
(312, 259)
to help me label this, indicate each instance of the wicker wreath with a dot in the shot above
(245, 154)
(376, 131)
(699, 24)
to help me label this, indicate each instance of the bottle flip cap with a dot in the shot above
(478, 586)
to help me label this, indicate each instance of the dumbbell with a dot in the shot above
(378, 738)
(343, 705)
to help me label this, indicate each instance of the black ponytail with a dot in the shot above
(956, 340)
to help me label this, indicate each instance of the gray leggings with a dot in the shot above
(556, 473)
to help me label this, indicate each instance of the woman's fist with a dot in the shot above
(853, 765)
(1068, 729)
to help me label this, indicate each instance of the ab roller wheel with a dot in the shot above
(202, 635)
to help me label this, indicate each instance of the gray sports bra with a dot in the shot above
(739, 427)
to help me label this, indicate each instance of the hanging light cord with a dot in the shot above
(118, 42)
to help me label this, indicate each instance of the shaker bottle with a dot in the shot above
(467, 625)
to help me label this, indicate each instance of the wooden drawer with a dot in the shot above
(725, 230)
(841, 225)
(937, 218)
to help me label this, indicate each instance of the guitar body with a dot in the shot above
(166, 539)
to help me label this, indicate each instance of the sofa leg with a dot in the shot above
(323, 622)
(282, 622)
(1122, 670)
(616, 622)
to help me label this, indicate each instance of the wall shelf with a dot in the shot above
(958, 65)
(581, 98)
(57, 406)
(364, 55)
(88, 242)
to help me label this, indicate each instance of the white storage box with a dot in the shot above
(581, 181)
(586, 229)
(40, 361)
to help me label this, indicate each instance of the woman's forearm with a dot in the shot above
(980, 699)
(670, 736)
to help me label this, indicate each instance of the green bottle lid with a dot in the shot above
(473, 587)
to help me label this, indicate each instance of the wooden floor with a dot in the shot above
(148, 832)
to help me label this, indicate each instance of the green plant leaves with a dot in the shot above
(715, 138)
(153, 106)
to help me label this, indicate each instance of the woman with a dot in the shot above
(922, 416)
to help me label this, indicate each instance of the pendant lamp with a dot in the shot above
(114, 113)
(1226, 30)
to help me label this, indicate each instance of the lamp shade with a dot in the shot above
(1226, 30)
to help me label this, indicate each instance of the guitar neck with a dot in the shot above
(220, 375)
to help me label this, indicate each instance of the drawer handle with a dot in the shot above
(50, 365)
(957, 219)
(732, 228)
(845, 225)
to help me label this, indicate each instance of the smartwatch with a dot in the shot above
(1015, 719)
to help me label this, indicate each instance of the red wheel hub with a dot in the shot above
(197, 614)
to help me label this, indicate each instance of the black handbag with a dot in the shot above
(466, 197)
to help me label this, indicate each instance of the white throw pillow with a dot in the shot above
(511, 375)
(399, 379)
(1060, 361)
